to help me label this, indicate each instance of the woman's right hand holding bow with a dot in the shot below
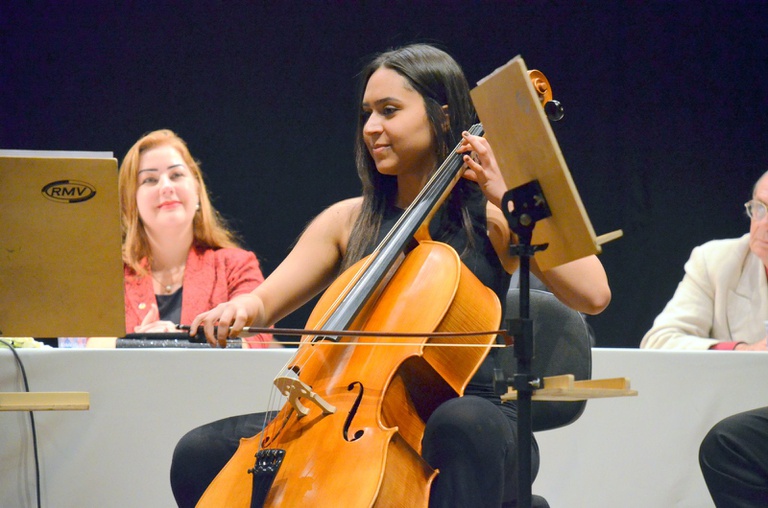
(228, 319)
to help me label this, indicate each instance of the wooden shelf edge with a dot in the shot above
(44, 401)
(565, 389)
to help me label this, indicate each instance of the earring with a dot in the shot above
(198, 206)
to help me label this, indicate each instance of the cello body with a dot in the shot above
(367, 452)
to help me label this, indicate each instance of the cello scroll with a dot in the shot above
(552, 108)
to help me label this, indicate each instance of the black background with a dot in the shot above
(664, 133)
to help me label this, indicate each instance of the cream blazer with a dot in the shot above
(723, 297)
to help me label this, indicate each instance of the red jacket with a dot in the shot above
(211, 277)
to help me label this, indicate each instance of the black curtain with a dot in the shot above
(664, 129)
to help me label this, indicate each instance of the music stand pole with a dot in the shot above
(527, 205)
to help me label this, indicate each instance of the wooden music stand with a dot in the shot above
(541, 193)
(526, 149)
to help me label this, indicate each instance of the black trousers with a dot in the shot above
(734, 460)
(472, 440)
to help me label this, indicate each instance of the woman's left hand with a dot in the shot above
(482, 167)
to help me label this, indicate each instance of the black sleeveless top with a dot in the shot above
(479, 257)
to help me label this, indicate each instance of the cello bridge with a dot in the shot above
(293, 389)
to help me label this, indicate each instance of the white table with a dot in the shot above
(118, 453)
(642, 452)
(629, 452)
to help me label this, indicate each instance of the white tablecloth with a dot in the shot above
(625, 452)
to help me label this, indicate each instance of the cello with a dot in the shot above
(361, 399)
(364, 400)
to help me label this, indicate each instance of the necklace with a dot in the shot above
(168, 288)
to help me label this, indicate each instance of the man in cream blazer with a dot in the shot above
(722, 301)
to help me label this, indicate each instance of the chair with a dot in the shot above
(562, 342)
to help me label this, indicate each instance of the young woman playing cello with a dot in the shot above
(414, 107)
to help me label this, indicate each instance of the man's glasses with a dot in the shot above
(755, 209)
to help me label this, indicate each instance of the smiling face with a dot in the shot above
(758, 228)
(397, 131)
(167, 194)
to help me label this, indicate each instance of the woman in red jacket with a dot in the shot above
(179, 257)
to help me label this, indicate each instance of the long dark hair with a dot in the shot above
(440, 81)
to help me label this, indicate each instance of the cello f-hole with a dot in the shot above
(353, 412)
